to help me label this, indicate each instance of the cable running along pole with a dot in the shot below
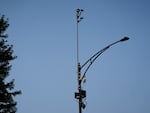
(82, 93)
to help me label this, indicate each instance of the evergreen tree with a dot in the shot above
(7, 94)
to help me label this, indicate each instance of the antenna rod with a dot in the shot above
(77, 38)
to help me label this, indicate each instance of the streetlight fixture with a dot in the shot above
(82, 93)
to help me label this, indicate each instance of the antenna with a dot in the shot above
(78, 19)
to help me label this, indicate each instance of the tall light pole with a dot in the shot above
(82, 93)
(79, 95)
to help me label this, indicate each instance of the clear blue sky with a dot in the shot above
(43, 33)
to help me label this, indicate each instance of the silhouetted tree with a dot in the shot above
(7, 94)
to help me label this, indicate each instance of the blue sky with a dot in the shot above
(43, 33)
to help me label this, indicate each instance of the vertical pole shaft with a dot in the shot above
(78, 19)
(78, 66)
(79, 88)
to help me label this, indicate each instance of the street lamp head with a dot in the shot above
(124, 39)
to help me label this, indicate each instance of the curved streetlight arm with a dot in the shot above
(96, 55)
(91, 58)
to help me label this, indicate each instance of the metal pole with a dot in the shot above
(78, 95)
(78, 65)
(79, 88)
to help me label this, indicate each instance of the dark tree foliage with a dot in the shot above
(7, 94)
